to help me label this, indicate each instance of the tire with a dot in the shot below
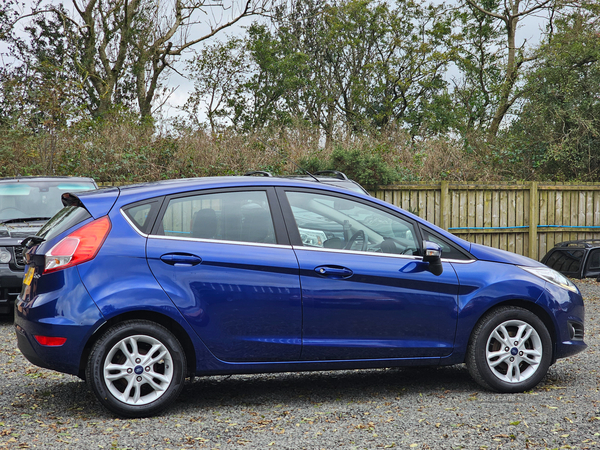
(510, 350)
(136, 369)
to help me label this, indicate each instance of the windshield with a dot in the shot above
(29, 199)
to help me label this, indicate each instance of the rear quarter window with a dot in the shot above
(143, 214)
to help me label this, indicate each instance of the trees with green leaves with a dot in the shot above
(223, 68)
(493, 62)
(558, 130)
(351, 65)
(478, 59)
(39, 88)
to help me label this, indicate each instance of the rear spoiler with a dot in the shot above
(97, 202)
(70, 200)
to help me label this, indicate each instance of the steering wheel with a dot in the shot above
(354, 238)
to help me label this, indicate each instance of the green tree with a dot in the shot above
(218, 71)
(39, 96)
(354, 65)
(39, 91)
(558, 130)
(507, 15)
(478, 58)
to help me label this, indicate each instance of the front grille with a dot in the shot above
(19, 257)
(9, 293)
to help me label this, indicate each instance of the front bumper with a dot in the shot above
(568, 310)
(10, 287)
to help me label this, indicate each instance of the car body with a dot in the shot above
(575, 259)
(134, 288)
(26, 203)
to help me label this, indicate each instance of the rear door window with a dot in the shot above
(227, 216)
(592, 268)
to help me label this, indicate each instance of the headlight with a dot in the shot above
(4, 256)
(552, 276)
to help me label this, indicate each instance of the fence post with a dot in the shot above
(444, 205)
(534, 205)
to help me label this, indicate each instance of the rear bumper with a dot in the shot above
(67, 312)
(65, 358)
(27, 349)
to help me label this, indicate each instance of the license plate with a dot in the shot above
(28, 276)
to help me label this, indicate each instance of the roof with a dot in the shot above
(581, 243)
(164, 187)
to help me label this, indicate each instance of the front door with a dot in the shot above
(366, 292)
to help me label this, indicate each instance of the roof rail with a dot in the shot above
(260, 173)
(333, 173)
(580, 243)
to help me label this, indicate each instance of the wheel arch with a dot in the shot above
(534, 308)
(172, 325)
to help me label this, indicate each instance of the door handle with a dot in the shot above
(334, 271)
(181, 259)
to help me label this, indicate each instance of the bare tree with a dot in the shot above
(123, 48)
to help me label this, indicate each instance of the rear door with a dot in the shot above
(224, 259)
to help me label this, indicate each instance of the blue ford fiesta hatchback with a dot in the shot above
(136, 288)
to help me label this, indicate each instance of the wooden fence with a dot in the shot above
(525, 218)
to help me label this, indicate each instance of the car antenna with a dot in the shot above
(289, 159)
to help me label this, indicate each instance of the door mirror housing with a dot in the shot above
(432, 254)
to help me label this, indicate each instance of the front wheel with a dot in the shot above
(510, 350)
(136, 369)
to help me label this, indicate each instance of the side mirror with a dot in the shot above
(432, 254)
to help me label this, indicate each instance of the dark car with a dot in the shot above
(135, 288)
(576, 259)
(26, 203)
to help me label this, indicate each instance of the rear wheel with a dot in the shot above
(136, 369)
(510, 350)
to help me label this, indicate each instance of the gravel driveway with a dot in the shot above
(428, 408)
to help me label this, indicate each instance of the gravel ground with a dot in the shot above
(426, 408)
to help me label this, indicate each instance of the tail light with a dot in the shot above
(78, 247)
(50, 341)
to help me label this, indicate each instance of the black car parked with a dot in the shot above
(26, 204)
(577, 259)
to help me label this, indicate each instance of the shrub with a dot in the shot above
(368, 169)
